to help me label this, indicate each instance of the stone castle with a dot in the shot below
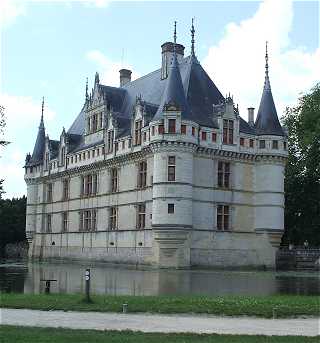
(160, 171)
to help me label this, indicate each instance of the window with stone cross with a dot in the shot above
(141, 216)
(223, 174)
(49, 192)
(65, 189)
(137, 132)
(49, 227)
(142, 174)
(223, 217)
(65, 221)
(110, 141)
(172, 126)
(227, 131)
(114, 180)
(171, 168)
(113, 218)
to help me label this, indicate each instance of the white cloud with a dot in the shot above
(109, 70)
(10, 10)
(236, 63)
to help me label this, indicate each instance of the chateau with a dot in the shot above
(160, 171)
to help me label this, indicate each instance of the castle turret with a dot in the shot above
(269, 171)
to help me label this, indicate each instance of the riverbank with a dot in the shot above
(19, 334)
(282, 306)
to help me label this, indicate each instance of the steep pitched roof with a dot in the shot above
(174, 94)
(39, 147)
(267, 122)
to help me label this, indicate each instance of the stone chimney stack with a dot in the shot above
(125, 76)
(251, 116)
(167, 57)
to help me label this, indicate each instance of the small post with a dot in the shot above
(87, 277)
(124, 308)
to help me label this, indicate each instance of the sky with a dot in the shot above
(48, 48)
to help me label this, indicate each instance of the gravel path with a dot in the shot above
(161, 323)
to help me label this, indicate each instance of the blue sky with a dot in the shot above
(49, 48)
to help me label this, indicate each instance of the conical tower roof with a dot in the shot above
(267, 122)
(38, 150)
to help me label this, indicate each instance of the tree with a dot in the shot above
(2, 141)
(302, 182)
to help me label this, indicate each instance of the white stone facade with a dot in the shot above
(167, 220)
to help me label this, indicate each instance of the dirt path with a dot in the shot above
(161, 323)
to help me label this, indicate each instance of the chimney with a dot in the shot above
(167, 57)
(251, 116)
(125, 76)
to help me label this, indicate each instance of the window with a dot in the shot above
(223, 174)
(98, 152)
(64, 221)
(241, 141)
(171, 168)
(114, 180)
(227, 131)
(113, 218)
(65, 189)
(49, 227)
(223, 218)
(89, 184)
(116, 146)
(183, 129)
(110, 141)
(161, 129)
(170, 208)
(285, 145)
(88, 220)
(172, 126)
(129, 143)
(203, 135)
(145, 136)
(49, 192)
(193, 131)
(152, 131)
(46, 166)
(141, 216)
(93, 153)
(274, 144)
(137, 132)
(62, 157)
(251, 143)
(214, 137)
(123, 145)
(71, 159)
(262, 144)
(100, 120)
(142, 174)
(94, 123)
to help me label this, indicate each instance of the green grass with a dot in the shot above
(285, 306)
(10, 334)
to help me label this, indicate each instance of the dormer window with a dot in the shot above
(62, 157)
(274, 144)
(241, 141)
(203, 135)
(137, 132)
(227, 131)
(172, 126)
(183, 129)
(262, 144)
(161, 129)
(110, 141)
(214, 137)
(46, 166)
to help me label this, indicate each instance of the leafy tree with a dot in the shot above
(12, 221)
(302, 183)
(2, 141)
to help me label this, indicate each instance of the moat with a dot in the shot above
(24, 277)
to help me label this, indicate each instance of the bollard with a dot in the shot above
(87, 277)
(124, 308)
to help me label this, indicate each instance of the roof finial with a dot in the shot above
(87, 96)
(192, 38)
(42, 109)
(266, 81)
(175, 33)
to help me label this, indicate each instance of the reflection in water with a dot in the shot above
(124, 280)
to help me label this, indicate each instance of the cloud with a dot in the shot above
(236, 63)
(10, 10)
(22, 119)
(109, 70)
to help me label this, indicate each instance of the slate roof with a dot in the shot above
(267, 122)
(39, 147)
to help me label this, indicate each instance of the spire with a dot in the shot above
(175, 35)
(87, 96)
(38, 150)
(173, 97)
(192, 38)
(267, 122)
(96, 79)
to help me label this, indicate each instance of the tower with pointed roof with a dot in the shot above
(162, 170)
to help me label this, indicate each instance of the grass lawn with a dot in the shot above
(285, 306)
(18, 334)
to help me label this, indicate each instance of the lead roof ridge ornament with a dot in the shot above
(267, 80)
(192, 37)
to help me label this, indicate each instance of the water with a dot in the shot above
(25, 277)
